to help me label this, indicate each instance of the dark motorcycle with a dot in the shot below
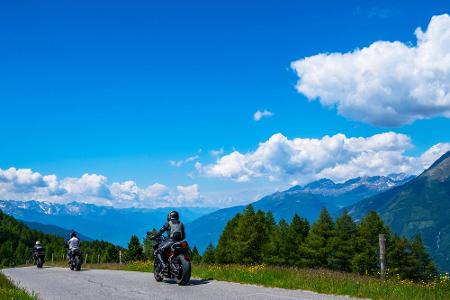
(75, 260)
(39, 257)
(177, 260)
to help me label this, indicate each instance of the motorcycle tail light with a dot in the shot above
(183, 245)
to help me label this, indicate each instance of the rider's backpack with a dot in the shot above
(176, 230)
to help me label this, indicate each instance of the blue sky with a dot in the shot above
(120, 88)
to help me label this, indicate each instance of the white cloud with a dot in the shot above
(21, 180)
(179, 163)
(258, 115)
(337, 157)
(24, 184)
(91, 185)
(386, 83)
(188, 194)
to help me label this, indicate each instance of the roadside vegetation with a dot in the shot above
(9, 291)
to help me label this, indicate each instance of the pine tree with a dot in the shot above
(366, 260)
(245, 237)
(195, 255)
(399, 259)
(209, 257)
(135, 251)
(227, 246)
(260, 235)
(296, 235)
(275, 250)
(342, 243)
(111, 254)
(423, 266)
(315, 250)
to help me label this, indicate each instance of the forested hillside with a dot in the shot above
(341, 244)
(17, 240)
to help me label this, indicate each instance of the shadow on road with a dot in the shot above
(191, 282)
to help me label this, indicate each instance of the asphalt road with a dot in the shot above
(61, 283)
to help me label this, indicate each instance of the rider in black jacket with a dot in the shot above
(175, 229)
(37, 250)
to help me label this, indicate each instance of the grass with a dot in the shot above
(9, 291)
(321, 280)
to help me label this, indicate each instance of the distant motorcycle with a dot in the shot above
(39, 257)
(177, 259)
(75, 260)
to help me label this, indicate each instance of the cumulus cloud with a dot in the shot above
(387, 83)
(336, 157)
(22, 180)
(188, 194)
(24, 184)
(258, 115)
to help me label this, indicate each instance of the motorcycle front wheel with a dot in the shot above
(184, 273)
(157, 271)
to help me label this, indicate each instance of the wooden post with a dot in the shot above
(52, 258)
(98, 259)
(85, 258)
(382, 240)
(120, 257)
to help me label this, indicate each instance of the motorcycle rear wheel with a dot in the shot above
(78, 263)
(39, 263)
(184, 275)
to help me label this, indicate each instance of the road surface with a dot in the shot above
(61, 283)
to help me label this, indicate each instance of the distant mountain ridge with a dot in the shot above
(422, 205)
(98, 222)
(307, 201)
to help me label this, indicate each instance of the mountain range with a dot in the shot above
(421, 205)
(98, 222)
(307, 201)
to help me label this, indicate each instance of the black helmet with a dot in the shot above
(173, 215)
(73, 234)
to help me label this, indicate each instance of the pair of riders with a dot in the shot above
(175, 230)
(73, 243)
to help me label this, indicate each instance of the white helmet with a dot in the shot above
(38, 243)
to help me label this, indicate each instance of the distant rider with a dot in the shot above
(73, 243)
(37, 249)
(175, 230)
